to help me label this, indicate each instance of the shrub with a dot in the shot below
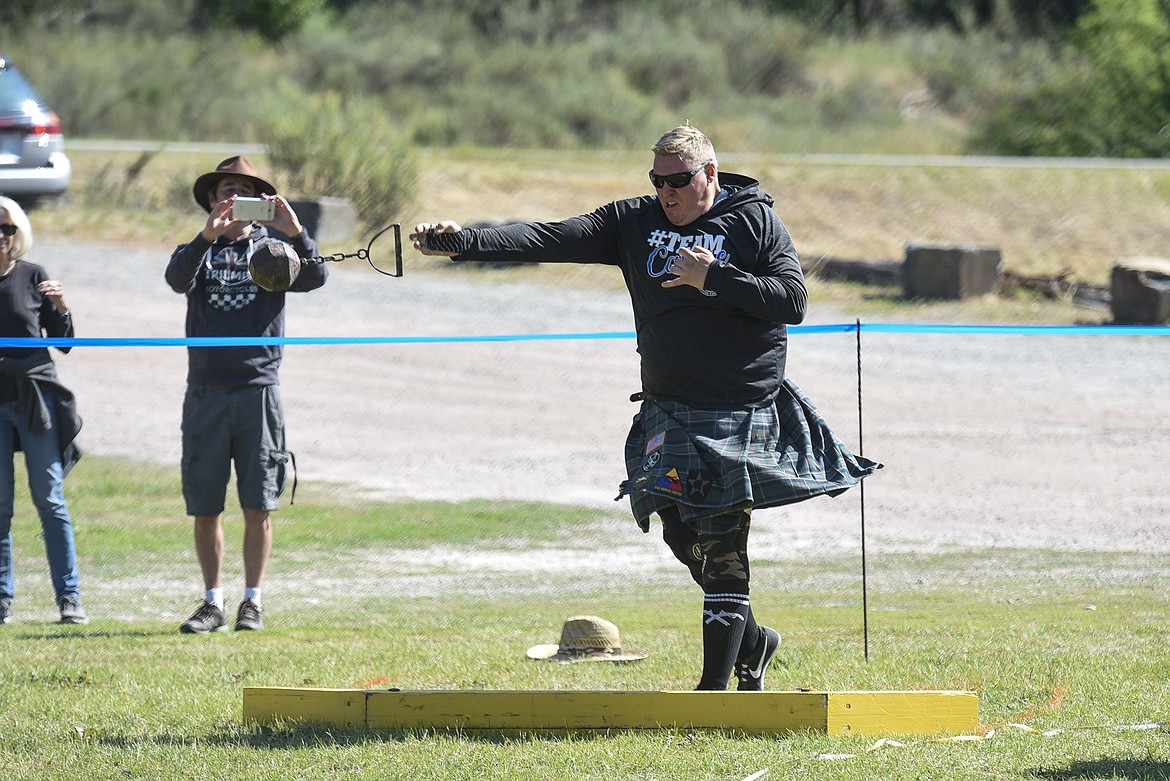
(105, 84)
(1052, 120)
(766, 55)
(571, 73)
(388, 55)
(273, 19)
(1113, 101)
(324, 145)
(975, 73)
(855, 102)
(644, 68)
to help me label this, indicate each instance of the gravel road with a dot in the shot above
(989, 441)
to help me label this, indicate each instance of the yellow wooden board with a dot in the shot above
(902, 713)
(336, 707)
(594, 710)
(832, 713)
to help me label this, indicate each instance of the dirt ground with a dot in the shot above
(996, 441)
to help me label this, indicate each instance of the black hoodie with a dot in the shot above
(720, 348)
(222, 300)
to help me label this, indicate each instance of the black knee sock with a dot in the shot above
(725, 616)
(683, 542)
(751, 634)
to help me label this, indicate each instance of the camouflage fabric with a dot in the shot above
(711, 462)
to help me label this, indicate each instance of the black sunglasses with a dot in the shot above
(8, 229)
(675, 180)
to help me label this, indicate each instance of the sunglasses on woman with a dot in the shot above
(675, 180)
(8, 230)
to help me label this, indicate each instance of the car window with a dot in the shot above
(15, 92)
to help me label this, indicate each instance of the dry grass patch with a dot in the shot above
(1045, 219)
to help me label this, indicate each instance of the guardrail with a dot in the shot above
(937, 161)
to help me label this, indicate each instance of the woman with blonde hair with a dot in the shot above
(37, 413)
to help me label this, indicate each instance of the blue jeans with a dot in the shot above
(42, 457)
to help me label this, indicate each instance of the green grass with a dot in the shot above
(1069, 641)
(132, 508)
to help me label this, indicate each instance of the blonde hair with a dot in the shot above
(23, 240)
(688, 143)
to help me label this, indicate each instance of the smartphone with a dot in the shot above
(255, 209)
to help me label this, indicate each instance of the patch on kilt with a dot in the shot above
(669, 483)
(651, 461)
(655, 442)
(699, 485)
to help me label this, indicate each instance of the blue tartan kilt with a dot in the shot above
(713, 462)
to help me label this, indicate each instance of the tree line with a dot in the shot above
(276, 18)
(1027, 77)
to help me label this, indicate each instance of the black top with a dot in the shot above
(722, 347)
(26, 312)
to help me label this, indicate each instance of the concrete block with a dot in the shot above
(954, 272)
(1140, 291)
(327, 219)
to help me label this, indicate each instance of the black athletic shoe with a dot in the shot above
(208, 618)
(248, 616)
(750, 670)
(5, 611)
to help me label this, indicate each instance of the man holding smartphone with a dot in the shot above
(232, 411)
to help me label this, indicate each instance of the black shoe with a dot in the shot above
(750, 670)
(248, 616)
(5, 611)
(71, 610)
(208, 618)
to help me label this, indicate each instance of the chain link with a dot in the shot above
(364, 254)
(337, 257)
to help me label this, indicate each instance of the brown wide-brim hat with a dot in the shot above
(585, 639)
(233, 166)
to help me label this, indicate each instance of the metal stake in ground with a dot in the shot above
(861, 451)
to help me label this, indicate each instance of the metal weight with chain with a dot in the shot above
(367, 253)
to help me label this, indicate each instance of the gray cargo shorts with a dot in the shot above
(233, 424)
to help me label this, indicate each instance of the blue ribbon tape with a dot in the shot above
(876, 328)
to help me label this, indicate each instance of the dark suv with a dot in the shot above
(33, 164)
